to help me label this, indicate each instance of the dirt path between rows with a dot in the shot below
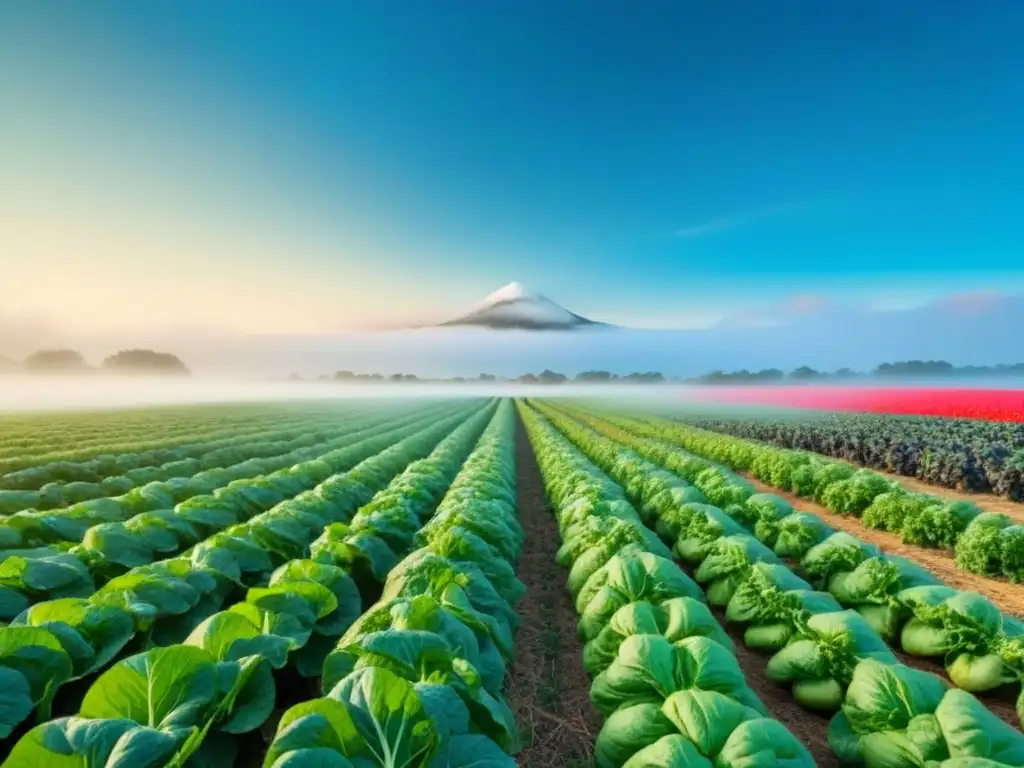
(1008, 597)
(549, 691)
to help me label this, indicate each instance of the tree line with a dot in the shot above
(544, 377)
(904, 369)
(72, 361)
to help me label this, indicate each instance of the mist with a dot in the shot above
(62, 392)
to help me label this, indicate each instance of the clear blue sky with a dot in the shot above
(322, 164)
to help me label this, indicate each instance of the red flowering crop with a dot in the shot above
(989, 404)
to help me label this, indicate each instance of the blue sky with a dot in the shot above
(306, 167)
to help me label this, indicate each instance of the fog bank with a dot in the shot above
(57, 392)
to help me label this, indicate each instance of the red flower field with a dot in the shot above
(989, 404)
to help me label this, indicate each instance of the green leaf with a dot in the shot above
(91, 634)
(162, 688)
(471, 751)
(76, 742)
(39, 657)
(388, 715)
(230, 636)
(247, 693)
(16, 701)
(313, 728)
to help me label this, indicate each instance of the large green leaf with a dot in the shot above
(76, 742)
(348, 603)
(313, 726)
(245, 692)
(170, 687)
(37, 656)
(230, 636)
(389, 716)
(91, 634)
(471, 751)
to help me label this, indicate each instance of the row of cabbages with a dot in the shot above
(147, 453)
(115, 539)
(162, 485)
(817, 645)
(61, 528)
(986, 543)
(904, 603)
(666, 678)
(290, 598)
(417, 680)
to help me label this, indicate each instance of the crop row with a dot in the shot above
(955, 453)
(141, 462)
(29, 435)
(417, 680)
(110, 546)
(986, 543)
(68, 449)
(174, 477)
(901, 601)
(665, 675)
(300, 562)
(162, 486)
(833, 659)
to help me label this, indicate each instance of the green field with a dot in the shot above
(445, 582)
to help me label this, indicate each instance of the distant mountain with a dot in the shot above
(515, 307)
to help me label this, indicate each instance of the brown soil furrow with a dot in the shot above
(1008, 597)
(549, 691)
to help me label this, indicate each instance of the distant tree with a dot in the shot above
(804, 373)
(487, 377)
(915, 368)
(295, 377)
(845, 373)
(645, 378)
(55, 360)
(397, 377)
(344, 375)
(592, 376)
(550, 377)
(146, 361)
(527, 378)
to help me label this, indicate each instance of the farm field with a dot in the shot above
(964, 454)
(963, 403)
(486, 582)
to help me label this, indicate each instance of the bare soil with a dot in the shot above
(549, 691)
(1008, 597)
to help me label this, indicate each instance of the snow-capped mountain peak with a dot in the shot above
(511, 292)
(513, 306)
